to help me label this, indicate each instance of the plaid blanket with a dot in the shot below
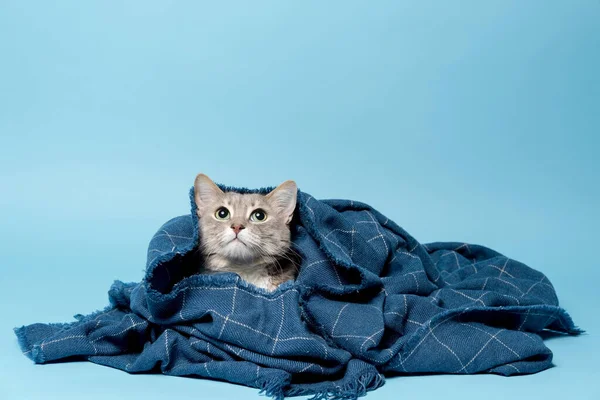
(369, 301)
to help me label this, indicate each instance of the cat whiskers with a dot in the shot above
(266, 256)
(280, 257)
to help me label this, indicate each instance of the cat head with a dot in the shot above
(244, 228)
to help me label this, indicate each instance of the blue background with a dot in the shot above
(453, 117)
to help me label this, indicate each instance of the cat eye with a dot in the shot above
(258, 215)
(222, 214)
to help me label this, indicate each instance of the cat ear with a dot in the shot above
(205, 191)
(283, 198)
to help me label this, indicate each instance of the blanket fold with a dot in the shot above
(369, 301)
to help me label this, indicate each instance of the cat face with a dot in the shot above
(244, 228)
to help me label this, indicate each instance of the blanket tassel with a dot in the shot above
(273, 389)
(349, 391)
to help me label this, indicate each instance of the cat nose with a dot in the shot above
(237, 228)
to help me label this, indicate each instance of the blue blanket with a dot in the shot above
(369, 301)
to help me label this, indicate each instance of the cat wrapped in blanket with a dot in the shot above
(247, 234)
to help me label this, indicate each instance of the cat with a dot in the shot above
(248, 234)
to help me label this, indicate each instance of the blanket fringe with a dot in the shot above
(350, 391)
(272, 388)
